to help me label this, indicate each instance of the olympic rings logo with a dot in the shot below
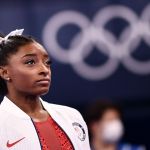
(94, 33)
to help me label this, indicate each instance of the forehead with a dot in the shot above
(110, 114)
(34, 48)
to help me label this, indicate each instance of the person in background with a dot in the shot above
(106, 128)
(26, 121)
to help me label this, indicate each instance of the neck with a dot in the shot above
(28, 103)
(99, 145)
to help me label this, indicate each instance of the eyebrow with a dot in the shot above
(33, 54)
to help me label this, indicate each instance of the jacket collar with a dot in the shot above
(10, 107)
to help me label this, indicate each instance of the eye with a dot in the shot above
(48, 62)
(30, 62)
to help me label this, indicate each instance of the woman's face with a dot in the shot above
(108, 116)
(110, 127)
(29, 70)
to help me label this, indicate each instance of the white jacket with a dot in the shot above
(17, 130)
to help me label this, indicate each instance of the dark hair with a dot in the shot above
(95, 111)
(7, 48)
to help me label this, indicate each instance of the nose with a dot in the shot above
(44, 70)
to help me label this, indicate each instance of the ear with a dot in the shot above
(4, 73)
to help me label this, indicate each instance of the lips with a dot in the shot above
(45, 81)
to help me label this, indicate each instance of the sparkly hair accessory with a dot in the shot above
(12, 33)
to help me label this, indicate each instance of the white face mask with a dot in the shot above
(112, 131)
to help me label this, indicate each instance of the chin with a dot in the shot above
(37, 91)
(43, 92)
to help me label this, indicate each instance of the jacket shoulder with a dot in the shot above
(65, 110)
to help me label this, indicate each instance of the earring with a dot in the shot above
(8, 79)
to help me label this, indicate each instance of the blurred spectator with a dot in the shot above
(104, 120)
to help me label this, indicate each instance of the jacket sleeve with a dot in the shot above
(77, 115)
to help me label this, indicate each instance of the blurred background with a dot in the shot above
(100, 49)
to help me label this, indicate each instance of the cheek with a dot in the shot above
(21, 78)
